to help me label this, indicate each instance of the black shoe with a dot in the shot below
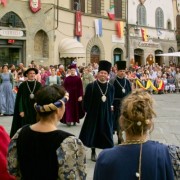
(68, 124)
(93, 157)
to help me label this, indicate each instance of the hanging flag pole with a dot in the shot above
(144, 34)
(111, 13)
(120, 29)
(98, 27)
(78, 21)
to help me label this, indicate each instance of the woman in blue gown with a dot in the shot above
(137, 158)
(7, 98)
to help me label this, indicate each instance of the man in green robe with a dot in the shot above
(24, 112)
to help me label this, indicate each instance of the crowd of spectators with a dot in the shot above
(154, 78)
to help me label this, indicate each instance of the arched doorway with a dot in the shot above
(95, 54)
(158, 59)
(117, 54)
(138, 56)
(12, 48)
(172, 60)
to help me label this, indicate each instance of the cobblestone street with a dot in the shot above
(166, 128)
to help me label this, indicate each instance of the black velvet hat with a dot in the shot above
(30, 69)
(121, 65)
(104, 66)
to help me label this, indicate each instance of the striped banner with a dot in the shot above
(98, 27)
(120, 29)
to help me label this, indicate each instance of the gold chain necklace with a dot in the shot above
(123, 88)
(31, 92)
(103, 98)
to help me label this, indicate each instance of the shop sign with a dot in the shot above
(12, 33)
(150, 44)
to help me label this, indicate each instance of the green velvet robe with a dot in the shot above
(24, 104)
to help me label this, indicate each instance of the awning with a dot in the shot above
(71, 48)
(174, 54)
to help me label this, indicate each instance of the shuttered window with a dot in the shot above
(118, 9)
(78, 5)
(159, 18)
(141, 15)
(96, 7)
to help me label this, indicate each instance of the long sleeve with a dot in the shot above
(72, 159)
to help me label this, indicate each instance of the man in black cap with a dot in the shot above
(24, 112)
(97, 130)
(122, 88)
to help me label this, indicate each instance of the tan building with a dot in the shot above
(176, 6)
(48, 35)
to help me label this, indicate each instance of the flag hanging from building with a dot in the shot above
(3, 2)
(78, 24)
(111, 13)
(98, 27)
(120, 29)
(144, 34)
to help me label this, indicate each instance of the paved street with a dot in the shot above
(166, 128)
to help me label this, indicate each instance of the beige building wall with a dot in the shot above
(59, 24)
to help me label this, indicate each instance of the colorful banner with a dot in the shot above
(144, 34)
(150, 84)
(120, 29)
(98, 27)
(78, 24)
(111, 13)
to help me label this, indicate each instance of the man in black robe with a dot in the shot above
(24, 112)
(122, 88)
(97, 129)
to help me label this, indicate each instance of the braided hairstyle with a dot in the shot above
(137, 113)
(47, 96)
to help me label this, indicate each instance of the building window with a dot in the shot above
(159, 18)
(117, 55)
(169, 25)
(96, 7)
(95, 54)
(118, 9)
(141, 15)
(11, 19)
(41, 45)
(78, 5)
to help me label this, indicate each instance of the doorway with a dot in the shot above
(10, 55)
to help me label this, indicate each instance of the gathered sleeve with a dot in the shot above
(13, 166)
(174, 152)
(72, 159)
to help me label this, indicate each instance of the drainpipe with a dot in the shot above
(57, 15)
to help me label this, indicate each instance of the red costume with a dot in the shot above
(4, 142)
(73, 86)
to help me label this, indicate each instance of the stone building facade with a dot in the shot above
(48, 37)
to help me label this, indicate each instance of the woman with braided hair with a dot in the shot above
(41, 151)
(137, 158)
